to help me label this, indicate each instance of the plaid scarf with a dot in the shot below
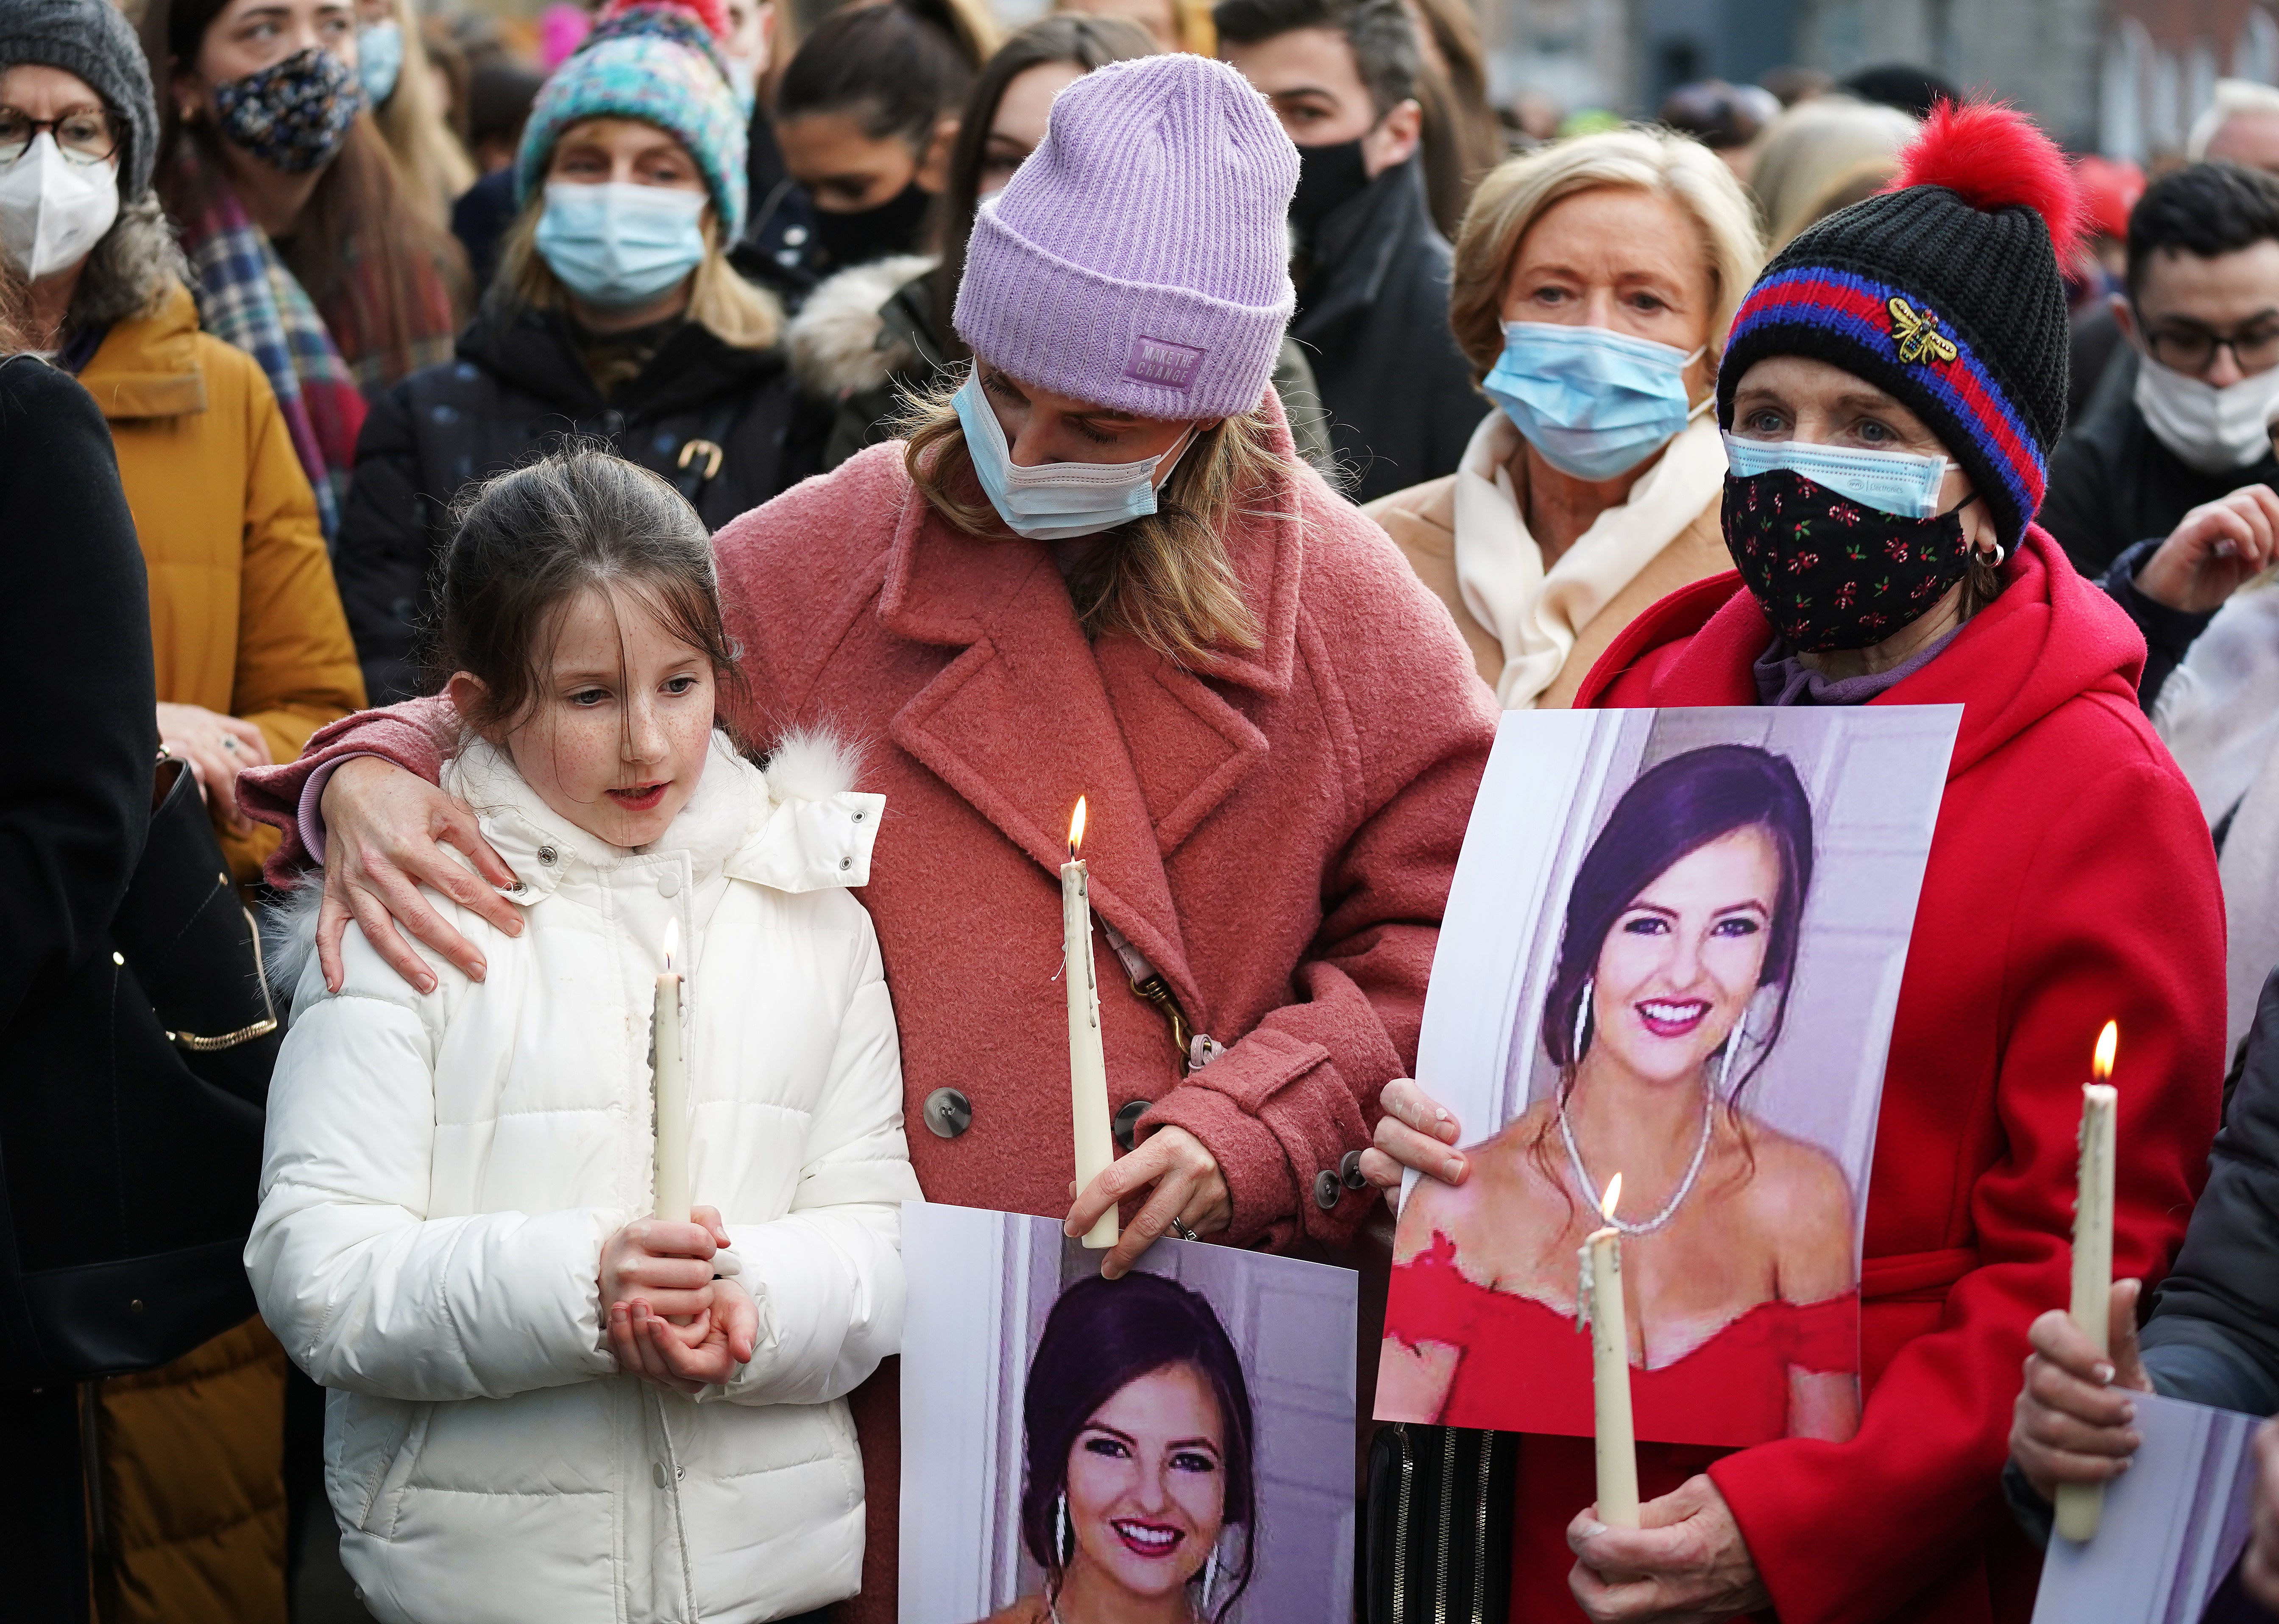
(248, 298)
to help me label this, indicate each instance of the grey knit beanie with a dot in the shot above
(91, 39)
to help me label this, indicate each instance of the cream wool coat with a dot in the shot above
(441, 1172)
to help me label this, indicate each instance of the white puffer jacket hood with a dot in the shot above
(441, 1172)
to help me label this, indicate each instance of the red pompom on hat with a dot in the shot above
(712, 13)
(1993, 156)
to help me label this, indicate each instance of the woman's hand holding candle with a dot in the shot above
(2072, 1423)
(1188, 1186)
(1685, 1560)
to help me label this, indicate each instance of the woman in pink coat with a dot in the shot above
(1098, 570)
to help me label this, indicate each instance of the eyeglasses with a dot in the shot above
(2191, 350)
(84, 135)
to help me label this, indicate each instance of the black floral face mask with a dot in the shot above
(1831, 573)
(292, 115)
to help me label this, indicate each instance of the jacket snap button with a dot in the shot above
(1349, 1170)
(656, 1473)
(846, 863)
(547, 854)
(947, 1113)
(668, 884)
(1327, 1188)
(1127, 1121)
(859, 816)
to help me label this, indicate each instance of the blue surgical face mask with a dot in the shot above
(1055, 502)
(1595, 402)
(379, 60)
(618, 244)
(1898, 483)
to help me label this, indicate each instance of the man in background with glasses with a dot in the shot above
(2166, 490)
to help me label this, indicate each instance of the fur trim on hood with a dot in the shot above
(838, 344)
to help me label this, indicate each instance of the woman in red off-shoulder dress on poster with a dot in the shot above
(1669, 993)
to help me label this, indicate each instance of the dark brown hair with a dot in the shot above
(1081, 40)
(362, 250)
(532, 539)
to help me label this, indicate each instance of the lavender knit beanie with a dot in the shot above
(1138, 259)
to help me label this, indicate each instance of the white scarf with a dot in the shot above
(1535, 615)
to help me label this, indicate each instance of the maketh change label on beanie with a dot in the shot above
(1139, 260)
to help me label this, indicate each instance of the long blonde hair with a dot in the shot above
(430, 162)
(720, 300)
(1163, 580)
(1519, 191)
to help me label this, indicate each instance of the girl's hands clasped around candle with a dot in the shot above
(1188, 1187)
(2072, 1422)
(669, 1321)
(1686, 1563)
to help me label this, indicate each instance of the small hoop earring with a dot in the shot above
(1995, 562)
(1061, 1531)
(1582, 1020)
(1210, 1578)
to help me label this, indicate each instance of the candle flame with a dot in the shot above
(1612, 1199)
(672, 942)
(1076, 828)
(2107, 1040)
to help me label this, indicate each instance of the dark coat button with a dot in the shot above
(1327, 1188)
(1127, 1121)
(947, 1113)
(1349, 1170)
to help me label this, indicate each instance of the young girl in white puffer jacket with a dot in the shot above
(547, 1406)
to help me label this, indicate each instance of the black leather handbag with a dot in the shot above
(139, 1074)
(1438, 1547)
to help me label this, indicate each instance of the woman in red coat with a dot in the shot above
(1102, 571)
(1892, 388)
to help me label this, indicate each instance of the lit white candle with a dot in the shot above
(1088, 1061)
(2080, 1506)
(1610, 1368)
(672, 1089)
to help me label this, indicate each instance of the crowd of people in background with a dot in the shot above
(287, 286)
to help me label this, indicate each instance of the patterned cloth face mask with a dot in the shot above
(1831, 573)
(292, 115)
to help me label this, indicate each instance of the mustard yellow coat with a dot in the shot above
(244, 617)
(246, 622)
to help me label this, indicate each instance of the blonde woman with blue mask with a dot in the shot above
(1593, 284)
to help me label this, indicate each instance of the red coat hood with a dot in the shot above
(2050, 637)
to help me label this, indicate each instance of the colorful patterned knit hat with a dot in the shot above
(1139, 259)
(658, 61)
(1944, 292)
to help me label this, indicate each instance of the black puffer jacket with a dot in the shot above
(1373, 321)
(2213, 1337)
(518, 386)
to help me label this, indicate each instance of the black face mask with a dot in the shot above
(1829, 573)
(890, 227)
(1327, 177)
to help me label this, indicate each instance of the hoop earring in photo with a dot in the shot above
(1210, 1578)
(1734, 1039)
(1582, 1020)
(1061, 1531)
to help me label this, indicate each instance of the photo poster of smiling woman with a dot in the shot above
(1672, 952)
(1092, 1450)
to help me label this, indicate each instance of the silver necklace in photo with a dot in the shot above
(1684, 1185)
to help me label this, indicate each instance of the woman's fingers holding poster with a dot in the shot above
(1415, 1131)
(2259, 1570)
(2073, 1420)
(1188, 1186)
(1685, 1562)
